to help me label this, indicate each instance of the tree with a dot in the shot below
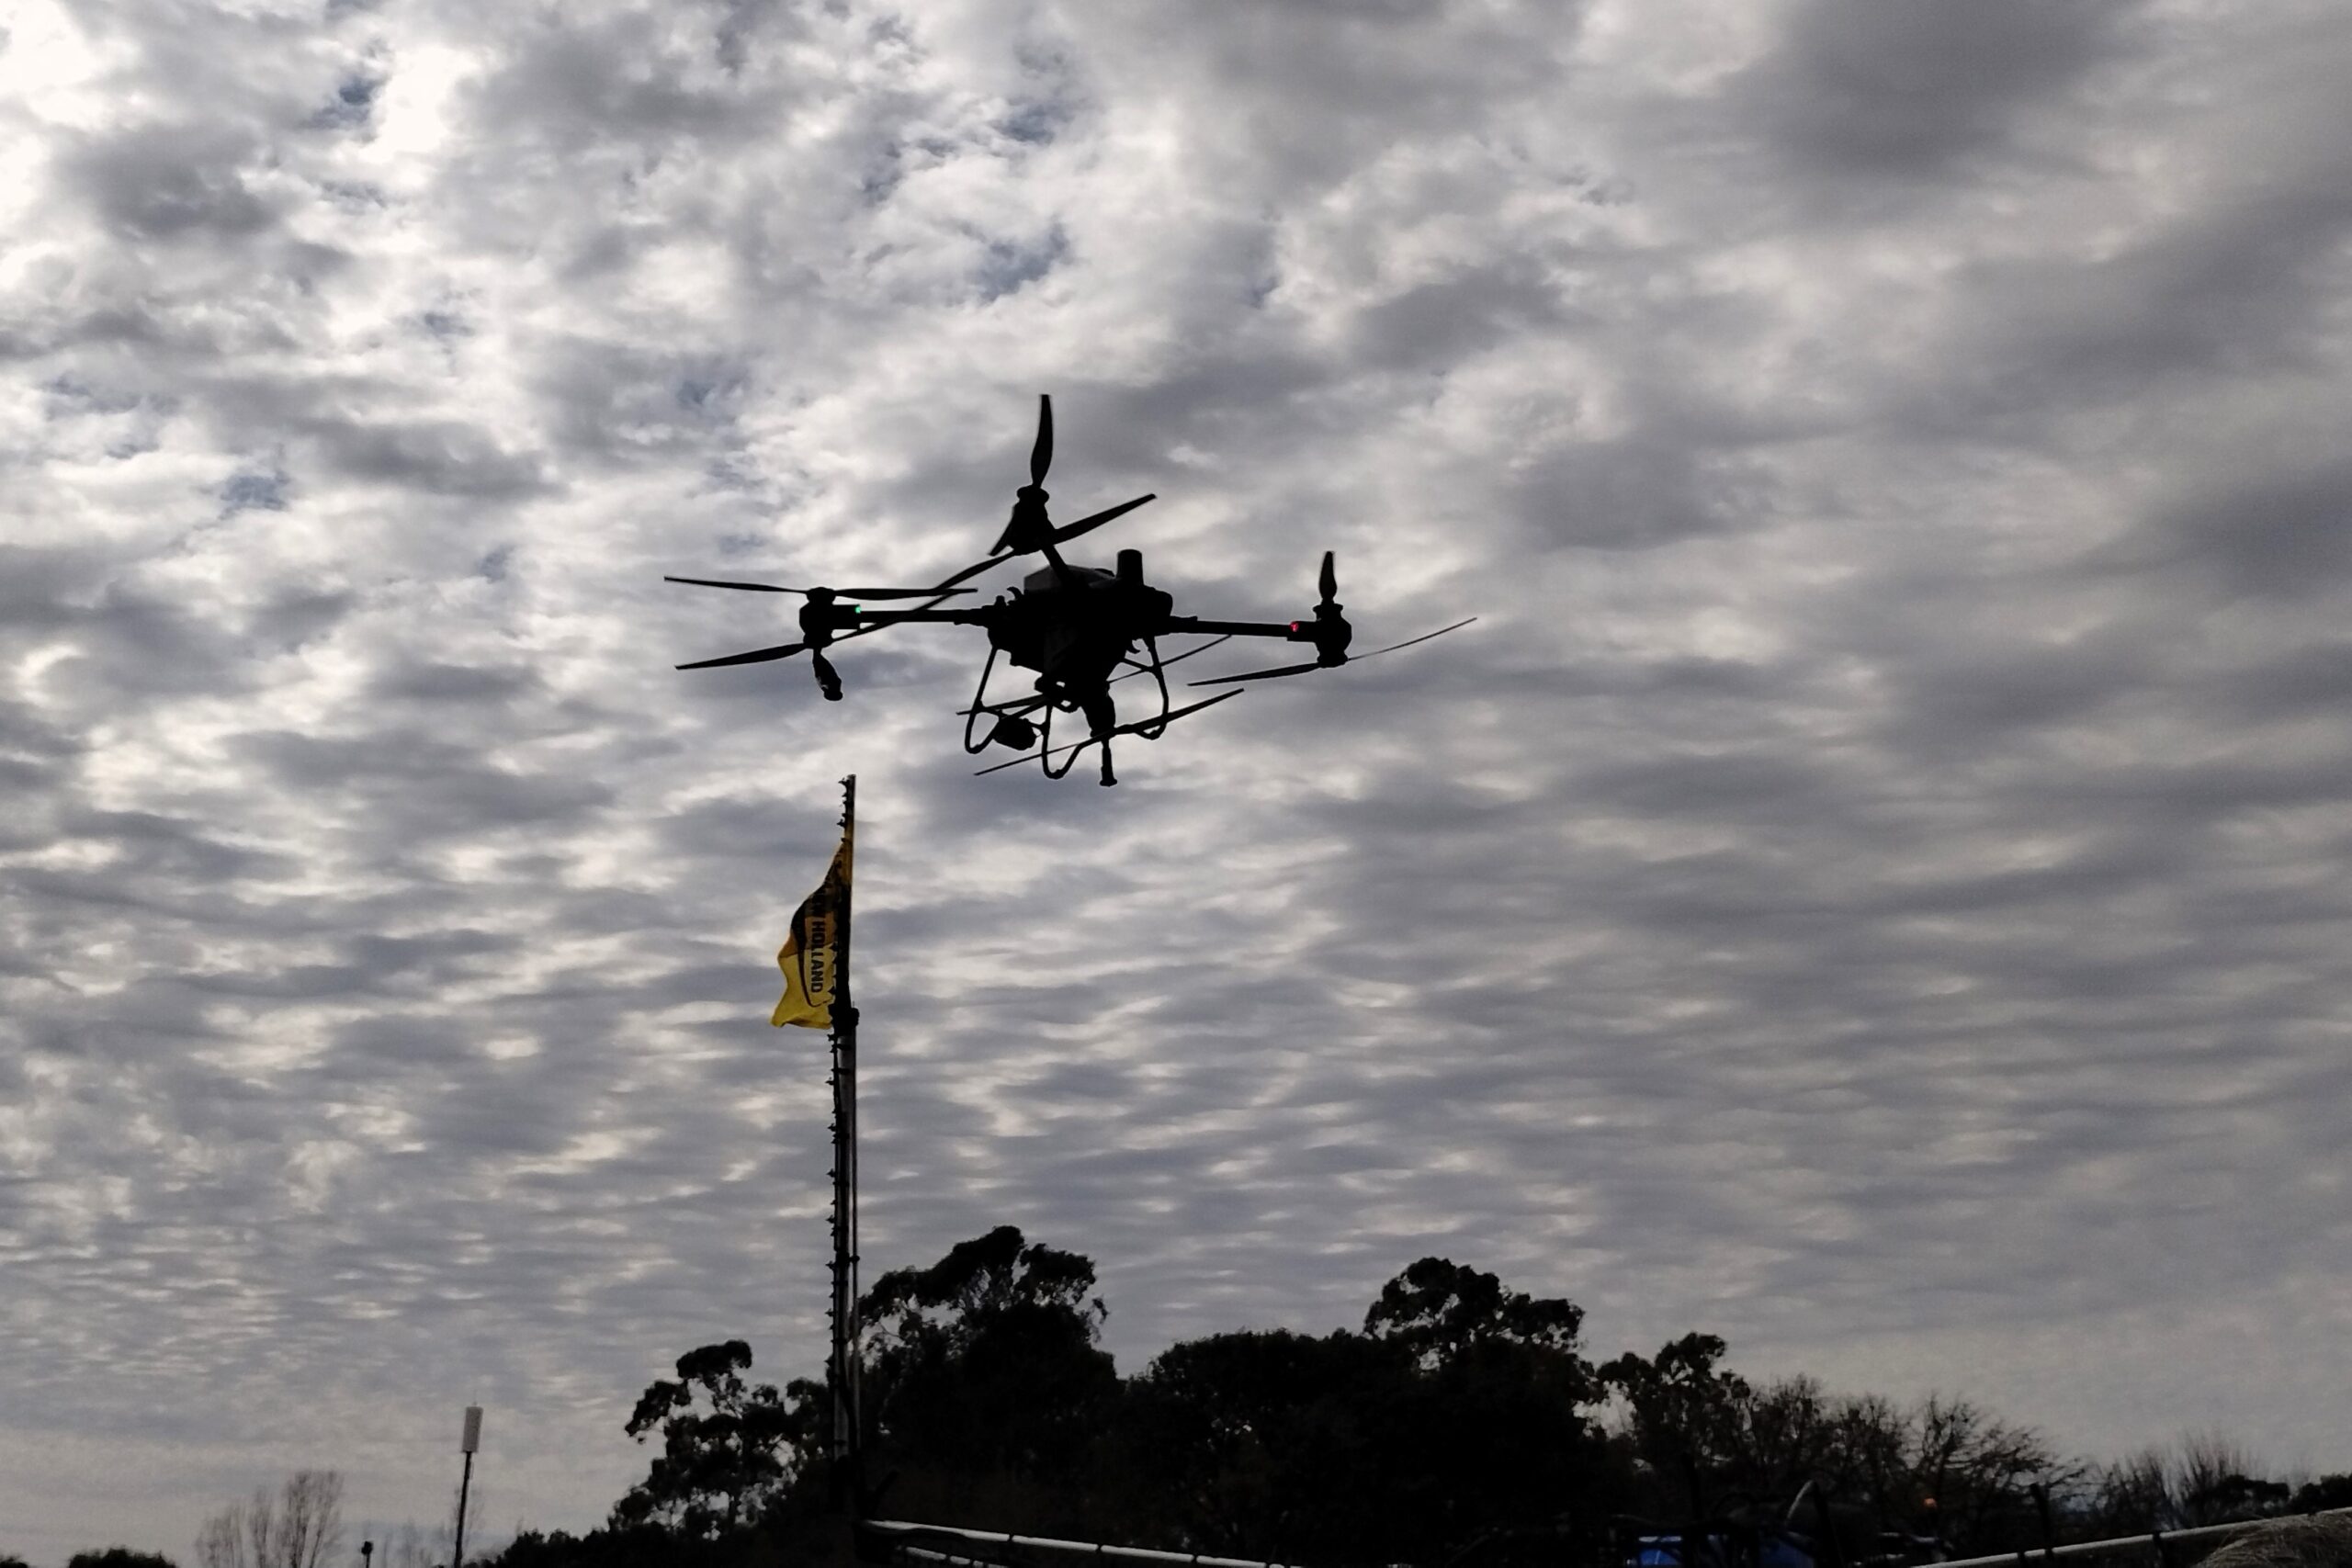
(300, 1526)
(1792, 1433)
(2204, 1478)
(219, 1540)
(720, 1461)
(118, 1557)
(405, 1546)
(1266, 1443)
(1454, 1419)
(1439, 1310)
(987, 1364)
(1683, 1419)
(979, 1284)
(2327, 1492)
(2217, 1483)
(1715, 1449)
(1497, 1445)
(1973, 1473)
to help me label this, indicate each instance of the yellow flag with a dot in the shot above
(810, 955)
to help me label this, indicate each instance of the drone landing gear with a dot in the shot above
(1070, 753)
(1017, 734)
(1103, 718)
(829, 678)
(1013, 728)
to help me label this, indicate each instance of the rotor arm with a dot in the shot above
(844, 617)
(1291, 631)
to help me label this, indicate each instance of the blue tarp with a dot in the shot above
(1666, 1552)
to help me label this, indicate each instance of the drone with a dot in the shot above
(1081, 628)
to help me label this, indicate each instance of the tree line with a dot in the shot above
(1461, 1426)
(299, 1525)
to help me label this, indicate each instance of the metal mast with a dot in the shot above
(841, 1371)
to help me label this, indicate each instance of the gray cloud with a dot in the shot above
(169, 183)
(1861, 93)
(1871, 883)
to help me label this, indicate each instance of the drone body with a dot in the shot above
(1074, 627)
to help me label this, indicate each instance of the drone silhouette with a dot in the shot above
(1079, 627)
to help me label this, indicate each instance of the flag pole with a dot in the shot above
(848, 1479)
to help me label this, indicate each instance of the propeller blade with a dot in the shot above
(1141, 724)
(1061, 536)
(1041, 456)
(843, 592)
(761, 656)
(1328, 579)
(947, 584)
(896, 592)
(1068, 530)
(1164, 663)
(748, 587)
(1351, 659)
(1411, 640)
(757, 656)
(1259, 674)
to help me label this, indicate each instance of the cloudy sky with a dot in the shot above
(1875, 883)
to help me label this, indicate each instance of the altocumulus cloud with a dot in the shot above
(1873, 885)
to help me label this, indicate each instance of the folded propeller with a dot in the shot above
(1029, 531)
(813, 631)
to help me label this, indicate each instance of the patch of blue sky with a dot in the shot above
(254, 489)
(352, 105)
(1011, 266)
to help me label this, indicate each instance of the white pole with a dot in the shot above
(999, 1538)
(466, 1445)
(1998, 1560)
